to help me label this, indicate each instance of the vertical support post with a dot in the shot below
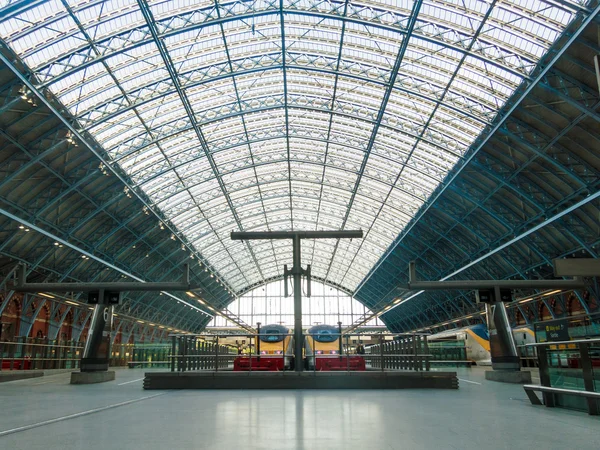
(298, 337)
(381, 350)
(416, 361)
(340, 341)
(427, 356)
(502, 342)
(545, 374)
(97, 346)
(183, 351)
(258, 340)
(217, 355)
(588, 377)
(347, 347)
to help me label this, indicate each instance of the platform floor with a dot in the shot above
(48, 413)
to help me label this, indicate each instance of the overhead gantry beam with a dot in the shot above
(413, 284)
(23, 286)
(269, 235)
(297, 271)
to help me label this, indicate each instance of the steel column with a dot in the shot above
(298, 337)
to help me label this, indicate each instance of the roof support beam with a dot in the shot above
(557, 53)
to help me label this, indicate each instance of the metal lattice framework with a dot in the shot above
(297, 114)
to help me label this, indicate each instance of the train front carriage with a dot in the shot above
(274, 351)
(322, 347)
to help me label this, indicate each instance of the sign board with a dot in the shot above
(556, 330)
(112, 298)
(505, 295)
(577, 267)
(488, 296)
(93, 297)
(485, 296)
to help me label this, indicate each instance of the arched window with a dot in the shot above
(267, 305)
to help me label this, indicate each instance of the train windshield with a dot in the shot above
(273, 333)
(324, 333)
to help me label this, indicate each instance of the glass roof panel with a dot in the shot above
(342, 120)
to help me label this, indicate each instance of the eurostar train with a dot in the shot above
(322, 349)
(275, 351)
(475, 341)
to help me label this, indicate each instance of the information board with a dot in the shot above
(555, 330)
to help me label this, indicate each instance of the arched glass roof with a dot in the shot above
(288, 114)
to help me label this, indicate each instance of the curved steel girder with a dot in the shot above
(50, 104)
(168, 62)
(568, 83)
(462, 223)
(478, 205)
(305, 181)
(243, 120)
(507, 113)
(428, 248)
(262, 136)
(520, 272)
(550, 142)
(308, 163)
(436, 39)
(309, 137)
(540, 153)
(184, 212)
(234, 109)
(540, 254)
(74, 188)
(314, 264)
(65, 274)
(431, 115)
(55, 326)
(280, 277)
(242, 168)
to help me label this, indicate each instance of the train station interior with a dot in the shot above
(299, 224)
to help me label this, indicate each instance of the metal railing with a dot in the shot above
(205, 352)
(405, 352)
(570, 366)
(527, 355)
(194, 352)
(23, 353)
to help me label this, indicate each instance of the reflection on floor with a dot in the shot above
(48, 413)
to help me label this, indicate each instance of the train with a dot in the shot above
(322, 349)
(275, 350)
(474, 340)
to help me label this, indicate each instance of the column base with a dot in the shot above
(508, 376)
(92, 377)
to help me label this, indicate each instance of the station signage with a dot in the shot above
(489, 296)
(93, 298)
(556, 330)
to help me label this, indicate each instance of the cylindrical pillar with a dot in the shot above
(340, 340)
(502, 343)
(258, 339)
(298, 337)
(96, 352)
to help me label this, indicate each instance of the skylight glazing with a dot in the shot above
(268, 305)
(299, 114)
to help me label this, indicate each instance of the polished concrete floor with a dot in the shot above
(48, 413)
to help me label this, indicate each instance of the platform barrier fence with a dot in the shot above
(569, 374)
(208, 353)
(404, 352)
(24, 353)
